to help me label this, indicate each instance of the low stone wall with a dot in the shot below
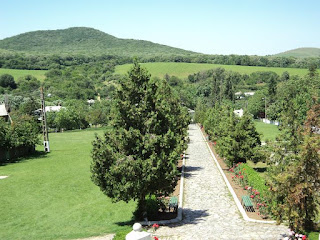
(7, 155)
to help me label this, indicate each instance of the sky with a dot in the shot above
(252, 27)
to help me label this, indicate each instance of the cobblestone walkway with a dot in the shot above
(209, 210)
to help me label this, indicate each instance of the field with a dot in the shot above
(182, 70)
(17, 73)
(52, 197)
(267, 131)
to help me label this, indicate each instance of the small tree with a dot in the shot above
(7, 81)
(303, 199)
(239, 142)
(138, 155)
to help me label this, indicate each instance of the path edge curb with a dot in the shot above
(235, 198)
(180, 206)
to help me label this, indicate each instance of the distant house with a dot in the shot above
(90, 101)
(53, 108)
(48, 109)
(239, 112)
(249, 93)
(3, 112)
(241, 95)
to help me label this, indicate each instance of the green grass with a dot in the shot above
(267, 131)
(17, 73)
(182, 70)
(52, 197)
(313, 235)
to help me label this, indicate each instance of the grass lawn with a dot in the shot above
(267, 131)
(17, 73)
(52, 197)
(182, 70)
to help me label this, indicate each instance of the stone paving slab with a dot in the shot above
(209, 210)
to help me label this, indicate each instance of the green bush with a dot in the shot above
(152, 205)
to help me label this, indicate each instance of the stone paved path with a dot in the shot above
(209, 210)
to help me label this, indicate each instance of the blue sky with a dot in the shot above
(215, 27)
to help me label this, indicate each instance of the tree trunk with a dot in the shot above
(141, 211)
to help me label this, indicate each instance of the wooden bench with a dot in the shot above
(246, 202)
(173, 203)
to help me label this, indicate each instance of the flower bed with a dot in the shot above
(250, 180)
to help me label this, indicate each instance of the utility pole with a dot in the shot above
(44, 123)
(6, 105)
(265, 107)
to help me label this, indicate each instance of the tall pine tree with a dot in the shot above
(138, 155)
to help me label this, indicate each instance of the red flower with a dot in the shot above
(232, 177)
(304, 237)
(252, 196)
(246, 187)
(155, 225)
(241, 177)
(155, 238)
(239, 172)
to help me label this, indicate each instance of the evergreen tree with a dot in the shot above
(294, 177)
(138, 155)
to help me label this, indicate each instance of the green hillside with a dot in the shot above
(81, 40)
(300, 53)
(182, 70)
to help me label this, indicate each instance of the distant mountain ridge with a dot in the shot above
(83, 40)
(300, 53)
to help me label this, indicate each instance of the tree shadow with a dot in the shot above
(191, 216)
(35, 155)
(126, 223)
(188, 171)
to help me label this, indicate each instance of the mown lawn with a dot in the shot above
(17, 73)
(52, 197)
(267, 131)
(182, 70)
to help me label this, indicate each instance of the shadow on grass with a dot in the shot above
(126, 223)
(190, 216)
(35, 155)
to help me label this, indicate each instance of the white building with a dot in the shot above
(239, 112)
(3, 111)
(53, 108)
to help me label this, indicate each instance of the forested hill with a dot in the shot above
(300, 53)
(87, 41)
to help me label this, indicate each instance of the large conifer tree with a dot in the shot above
(138, 155)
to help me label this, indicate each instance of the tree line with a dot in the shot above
(44, 62)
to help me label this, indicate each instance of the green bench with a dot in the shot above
(173, 203)
(246, 202)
